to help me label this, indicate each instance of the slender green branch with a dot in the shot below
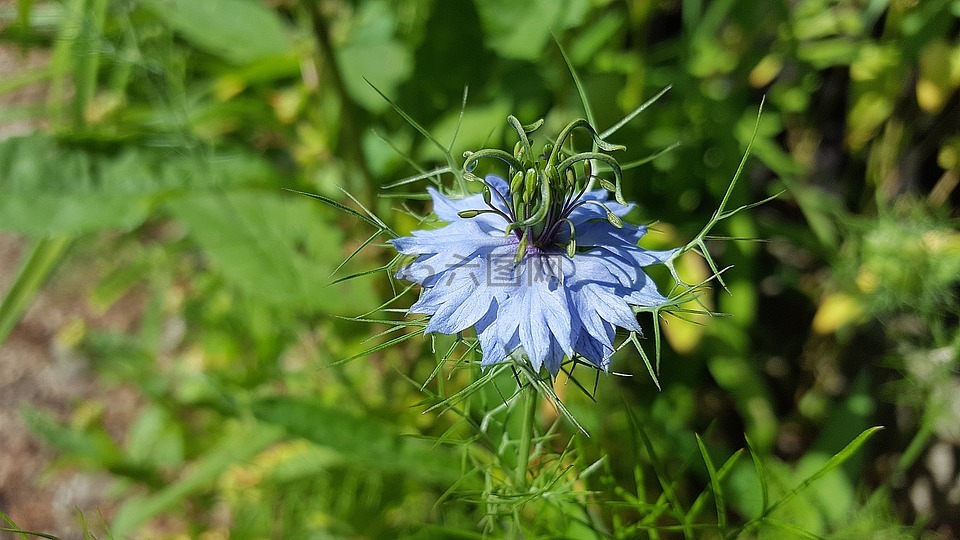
(529, 395)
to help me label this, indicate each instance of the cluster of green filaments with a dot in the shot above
(546, 187)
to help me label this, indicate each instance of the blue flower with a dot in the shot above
(552, 288)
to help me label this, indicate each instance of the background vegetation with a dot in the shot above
(167, 130)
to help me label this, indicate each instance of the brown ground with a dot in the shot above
(38, 370)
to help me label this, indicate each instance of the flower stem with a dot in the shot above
(526, 436)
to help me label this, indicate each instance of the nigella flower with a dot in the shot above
(541, 266)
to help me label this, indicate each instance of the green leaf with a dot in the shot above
(240, 443)
(50, 188)
(521, 30)
(830, 465)
(239, 31)
(385, 64)
(279, 249)
(714, 485)
(93, 447)
(365, 442)
(371, 55)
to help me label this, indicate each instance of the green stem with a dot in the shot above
(352, 118)
(526, 435)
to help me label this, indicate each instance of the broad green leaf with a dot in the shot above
(371, 55)
(521, 30)
(50, 188)
(155, 438)
(365, 442)
(277, 247)
(385, 64)
(239, 31)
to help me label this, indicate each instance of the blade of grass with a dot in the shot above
(714, 485)
(722, 473)
(659, 470)
(831, 464)
(761, 475)
(838, 459)
(44, 255)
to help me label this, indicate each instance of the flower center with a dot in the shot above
(546, 187)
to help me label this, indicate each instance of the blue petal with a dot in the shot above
(597, 351)
(600, 233)
(448, 209)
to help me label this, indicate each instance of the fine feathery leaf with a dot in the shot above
(416, 125)
(646, 359)
(410, 161)
(384, 268)
(721, 213)
(355, 252)
(486, 376)
(648, 159)
(379, 347)
(722, 473)
(545, 389)
(370, 214)
(626, 119)
(416, 178)
(344, 208)
(793, 529)
(451, 163)
(456, 131)
(587, 110)
(838, 459)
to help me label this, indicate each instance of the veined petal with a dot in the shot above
(463, 237)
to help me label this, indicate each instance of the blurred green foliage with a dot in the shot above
(170, 128)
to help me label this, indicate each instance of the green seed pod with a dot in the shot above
(521, 248)
(467, 214)
(613, 218)
(516, 184)
(530, 182)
